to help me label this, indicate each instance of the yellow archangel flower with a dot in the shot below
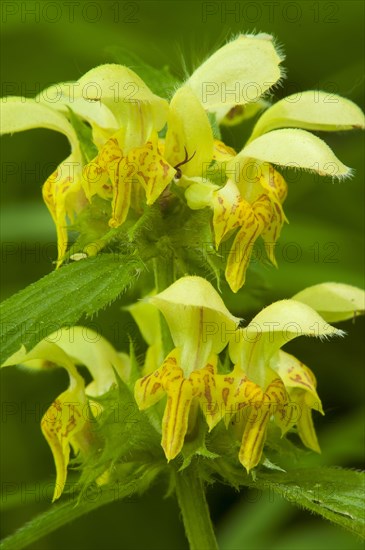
(199, 323)
(250, 203)
(130, 160)
(67, 422)
(265, 383)
(62, 191)
(111, 98)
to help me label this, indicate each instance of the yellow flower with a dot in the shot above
(259, 214)
(200, 325)
(251, 200)
(266, 384)
(129, 161)
(112, 99)
(256, 353)
(296, 148)
(62, 192)
(288, 386)
(66, 423)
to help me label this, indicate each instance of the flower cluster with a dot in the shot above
(132, 149)
(142, 145)
(261, 384)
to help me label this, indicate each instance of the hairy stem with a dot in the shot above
(194, 508)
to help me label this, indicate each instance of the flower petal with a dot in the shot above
(150, 389)
(230, 211)
(188, 133)
(293, 149)
(277, 324)
(88, 348)
(204, 388)
(240, 253)
(200, 193)
(58, 191)
(60, 426)
(142, 165)
(298, 412)
(334, 301)
(238, 73)
(128, 98)
(20, 113)
(152, 170)
(222, 152)
(235, 392)
(306, 429)
(57, 97)
(254, 434)
(98, 115)
(146, 317)
(257, 217)
(295, 374)
(175, 420)
(276, 188)
(199, 322)
(311, 110)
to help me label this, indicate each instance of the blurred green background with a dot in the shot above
(47, 42)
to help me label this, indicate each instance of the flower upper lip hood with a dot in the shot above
(97, 114)
(252, 347)
(334, 301)
(136, 109)
(228, 75)
(188, 129)
(294, 148)
(199, 322)
(301, 111)
(20, 113)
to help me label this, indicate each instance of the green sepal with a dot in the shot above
(84, 135)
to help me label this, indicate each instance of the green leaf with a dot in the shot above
(161, 81)
(195, 443)
(61, 514)
(334, 493)
(215, 126)
(84, 135)
(62, 297)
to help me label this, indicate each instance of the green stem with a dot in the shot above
(194, 508)
(164, 277)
